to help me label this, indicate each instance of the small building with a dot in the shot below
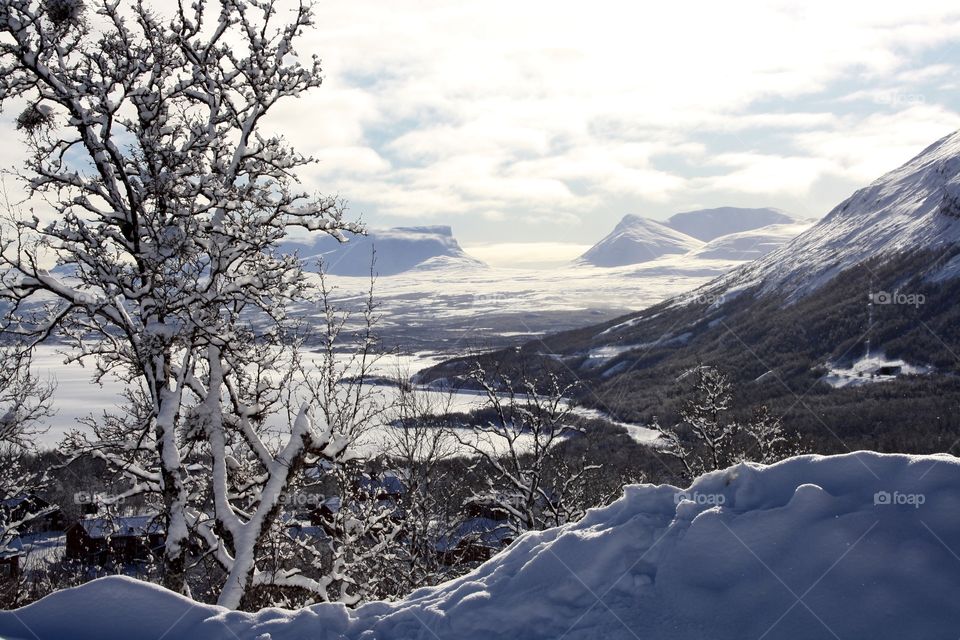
(483, 532)
(387, 486)
(121, 539)
(48, 517)
(475, 540)
(10, 564)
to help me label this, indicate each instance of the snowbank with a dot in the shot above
(855, 546)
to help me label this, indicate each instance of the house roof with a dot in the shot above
(484, 532)
(137, 526)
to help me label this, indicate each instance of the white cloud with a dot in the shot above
(556, 112)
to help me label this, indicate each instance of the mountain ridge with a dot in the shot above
(712, 223)
(384, 251)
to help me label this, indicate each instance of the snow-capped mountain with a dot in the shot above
(913, 208)
(397, 250)
(636, 239)
(726, 233)
(750, 245)
(710, 224)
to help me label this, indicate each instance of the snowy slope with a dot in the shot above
(709, 224)
(636, 240)
(915, 207)
(854, 546)
(750, 245)
(397, 250)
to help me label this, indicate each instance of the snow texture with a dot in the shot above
(750, 245)
(855, 546)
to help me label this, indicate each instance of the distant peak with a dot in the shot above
(436, 230)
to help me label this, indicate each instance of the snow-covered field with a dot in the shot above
(853, 547)
(453, 306)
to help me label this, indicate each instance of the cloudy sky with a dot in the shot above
(528, 121)
(543, 123)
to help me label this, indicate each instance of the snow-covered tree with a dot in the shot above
(164, 203)
(709, 438)
(24, 402)
(518, 449)
(705, 417)
(769, 440)
(418, 448)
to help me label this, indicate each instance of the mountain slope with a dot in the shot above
(864, 539)
(915, 207)
(709, 224)
(636, 240)
(397, 250)
(876, 281)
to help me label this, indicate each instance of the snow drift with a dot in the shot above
(855, 546)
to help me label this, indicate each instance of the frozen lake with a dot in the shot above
(77, 397)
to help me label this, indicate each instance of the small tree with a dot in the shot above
(708, 438)
(419, 447)
(24, 403)
(528, 480)
(769, 441)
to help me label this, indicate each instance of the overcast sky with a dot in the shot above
(548, 121)
(527, 121)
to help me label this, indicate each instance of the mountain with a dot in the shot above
(709, 224)
(914, 208)
(636, 240)
(851, 331)
(861, 537)
(750, 245)
(397, 250)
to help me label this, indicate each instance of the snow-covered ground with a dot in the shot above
(855, 546)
